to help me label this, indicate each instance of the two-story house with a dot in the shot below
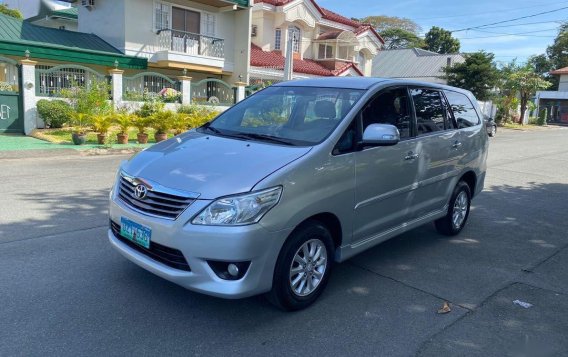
(206, 38)
(324, 43)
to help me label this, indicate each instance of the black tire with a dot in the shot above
(493, 131)
(445, 225)
(282, 294)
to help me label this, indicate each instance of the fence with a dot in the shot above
(213, 91)
(191, 43)
(146, 85)
(52, 80)
(488, 108)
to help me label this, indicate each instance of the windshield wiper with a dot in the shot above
(212, 129)
(262, 137)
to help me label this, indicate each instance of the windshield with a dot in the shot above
(297, 116)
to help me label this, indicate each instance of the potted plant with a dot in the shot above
(101, 125)
(124, 121)
(181, 123)
(80, 123)
(162, 122)
(141, 124)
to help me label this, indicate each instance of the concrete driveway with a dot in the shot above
(64, 291)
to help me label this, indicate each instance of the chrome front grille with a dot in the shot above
(157, 201)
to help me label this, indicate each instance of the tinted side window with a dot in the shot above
(429, 110)
(389, 107)
(464, 112)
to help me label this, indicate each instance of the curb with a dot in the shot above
(37, 153)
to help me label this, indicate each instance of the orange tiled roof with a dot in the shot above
(560, 71)
(267, 59)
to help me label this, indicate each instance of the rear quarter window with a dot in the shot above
(464, 111)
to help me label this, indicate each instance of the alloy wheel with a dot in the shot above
(308, 267)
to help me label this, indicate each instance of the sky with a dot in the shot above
(509, 40)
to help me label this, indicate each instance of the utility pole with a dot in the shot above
(289, 60)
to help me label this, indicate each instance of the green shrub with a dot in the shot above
(54, 113)
(90, 100)
(542, 117)
(150, 107)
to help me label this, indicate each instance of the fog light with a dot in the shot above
(233, 269)
(229, 270)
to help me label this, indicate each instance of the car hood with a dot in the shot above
(211, 166)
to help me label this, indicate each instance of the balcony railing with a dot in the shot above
(191, 43)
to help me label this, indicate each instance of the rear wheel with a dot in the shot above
(458, 211)
(303, 267)
(493, 131)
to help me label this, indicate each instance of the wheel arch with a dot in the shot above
(470, 178)
(330, 221)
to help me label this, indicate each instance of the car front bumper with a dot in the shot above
(199, 245)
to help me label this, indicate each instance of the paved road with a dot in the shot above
(64, 291)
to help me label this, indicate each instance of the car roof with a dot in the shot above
(334, 82)
(362, 83)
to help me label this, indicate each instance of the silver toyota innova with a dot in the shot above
(295, 178)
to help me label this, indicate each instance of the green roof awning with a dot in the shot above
(70, 13)
(17, 36)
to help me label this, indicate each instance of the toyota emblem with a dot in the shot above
(140, 192)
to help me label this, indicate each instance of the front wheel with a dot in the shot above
(458, 211)
(303, 267)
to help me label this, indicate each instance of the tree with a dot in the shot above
(525, 82)
(558, 51)
(11, 12)
(396, 38)
(382, 23)
(441, 41)
(477, 74)
(541, 65)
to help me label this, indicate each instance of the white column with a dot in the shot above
(116, 76)
(29, 95)
(185, 89)
(240, 91)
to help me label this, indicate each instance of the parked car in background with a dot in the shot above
(297, 177)
(490, 125)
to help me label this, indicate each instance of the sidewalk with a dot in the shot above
(14, 146)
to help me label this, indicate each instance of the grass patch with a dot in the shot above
(516, 126)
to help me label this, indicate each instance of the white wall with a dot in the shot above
(241, 45)
(231, 26)
(106, 20)
(563, 85)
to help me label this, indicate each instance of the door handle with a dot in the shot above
(456, 144)
(411, 156)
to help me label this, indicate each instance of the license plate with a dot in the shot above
(135, 232)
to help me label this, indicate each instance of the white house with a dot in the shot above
(327, 44)
(206, 38)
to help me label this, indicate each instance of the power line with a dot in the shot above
(528, 23)
(471, 38)
(518, 33)
(511, 20)
(488, 13)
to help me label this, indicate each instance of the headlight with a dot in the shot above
(239, 210)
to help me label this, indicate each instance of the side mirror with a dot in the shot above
(380, 135)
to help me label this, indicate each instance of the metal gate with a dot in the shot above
(11, 118)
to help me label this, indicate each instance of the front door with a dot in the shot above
(11, 120)
(185, 30)
(386, 176)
